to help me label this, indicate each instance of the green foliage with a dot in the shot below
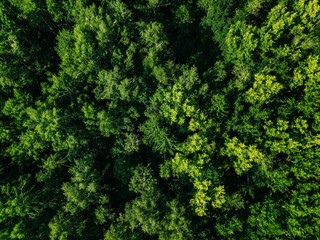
(153, 119)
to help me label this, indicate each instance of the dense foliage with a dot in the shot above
(157, 119)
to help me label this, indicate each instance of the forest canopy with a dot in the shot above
(157, 119)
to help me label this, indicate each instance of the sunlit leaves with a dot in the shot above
(245, 156)
(263, 89)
